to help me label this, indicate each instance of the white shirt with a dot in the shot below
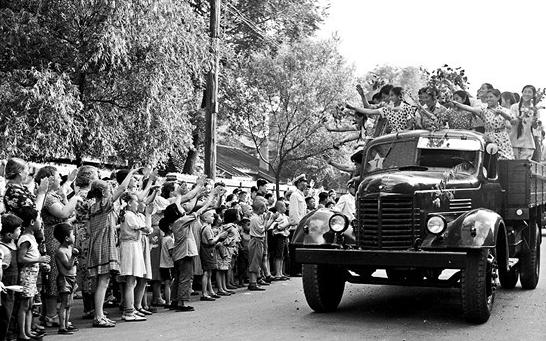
(346, 205)
(298, 208)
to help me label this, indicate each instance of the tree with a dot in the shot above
(410, 78)
(135, 66)
(283, 100)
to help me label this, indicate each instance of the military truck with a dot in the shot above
(433, 209)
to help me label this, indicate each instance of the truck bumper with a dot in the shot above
(382, 258)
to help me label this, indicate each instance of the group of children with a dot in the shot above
(21, 264)
(131, 233)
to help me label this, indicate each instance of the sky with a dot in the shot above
(500, 42)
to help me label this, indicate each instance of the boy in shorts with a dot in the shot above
(65, 257)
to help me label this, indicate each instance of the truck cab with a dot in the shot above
(428, 202)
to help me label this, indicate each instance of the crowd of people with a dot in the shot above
(506, 118)
(114, 239)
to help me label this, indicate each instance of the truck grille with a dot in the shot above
(388, 222)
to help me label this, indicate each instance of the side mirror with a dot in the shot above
(490, 160)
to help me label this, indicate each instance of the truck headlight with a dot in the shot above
(436, 224)
(338, 223)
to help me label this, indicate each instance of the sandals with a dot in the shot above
(103, 323)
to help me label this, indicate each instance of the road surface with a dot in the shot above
(366, 313)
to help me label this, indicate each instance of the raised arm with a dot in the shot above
(365, 111)
(360, 91)
(475, 111)
(123, 186)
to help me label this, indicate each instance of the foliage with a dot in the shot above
(136, 66)
(37, 114)
(284, 99)
(455, 77)
(410, 78)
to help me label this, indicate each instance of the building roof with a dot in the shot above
(236, 162)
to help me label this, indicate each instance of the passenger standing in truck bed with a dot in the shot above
(494, 117)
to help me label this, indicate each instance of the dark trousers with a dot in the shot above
(6, 309)
(183, 275)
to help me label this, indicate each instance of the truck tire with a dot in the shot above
(530, 261)
(478, 284)
(323, 286)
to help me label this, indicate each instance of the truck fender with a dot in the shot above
(314, 229)
(474, 229)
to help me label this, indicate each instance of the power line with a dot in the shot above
(251, 25)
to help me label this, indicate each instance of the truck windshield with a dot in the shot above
(393, 154)
(465, 161)
(402, 154)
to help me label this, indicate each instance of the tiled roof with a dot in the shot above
(239, 163)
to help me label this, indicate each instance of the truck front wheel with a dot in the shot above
(323, 286)
(530, 261)
(478, 284)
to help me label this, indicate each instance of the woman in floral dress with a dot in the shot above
(494, 117)
(398, 114)
(56, 209)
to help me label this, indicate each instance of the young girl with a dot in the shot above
(207, 254)
(131, 255)
(398, 114)
(457, 118)
(29, 258)
(166, 264)
(103, 255)
(525, 113)
(224, 251)
(242, 258)
(494, 117)
(258, 228)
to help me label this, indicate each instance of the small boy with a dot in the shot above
(166, 263)
(258, 227)
(29, 259)
(242, 258)
(66, 259)
(11, 229)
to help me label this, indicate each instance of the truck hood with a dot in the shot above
(408, 182)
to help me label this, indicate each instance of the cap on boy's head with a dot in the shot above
(261, 182)
(27, 215)
(236, 190)
(10, 223)
(61, 231)
(299, 179)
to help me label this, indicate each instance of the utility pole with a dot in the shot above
(212, 90)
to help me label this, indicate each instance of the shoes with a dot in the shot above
(144, 311)
(269, 279)
(159, 303)
(231, 287)
(262, 282)
(132, 318)
(71, 328)
(223, 293)
(138, 313)
(103, 323)
(231, 292)
(65, 332)
(151, 309)
(184, 308)
(172, 306)
(194, 293)
(281, 278)
(207, 298)
(51, 321)
(254, 287)
(215, 296)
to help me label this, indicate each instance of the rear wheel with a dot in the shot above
(323, 286)
(530, 260)
(478, 284)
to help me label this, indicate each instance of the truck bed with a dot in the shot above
(524, 182)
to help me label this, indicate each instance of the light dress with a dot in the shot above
(130, 250)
